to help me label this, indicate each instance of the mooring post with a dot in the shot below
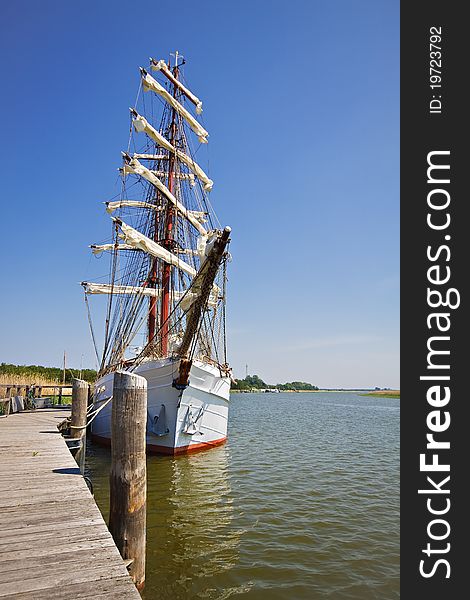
(79, 406)
(78, 418)
(128, 474)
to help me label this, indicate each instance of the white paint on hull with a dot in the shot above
(194, 417)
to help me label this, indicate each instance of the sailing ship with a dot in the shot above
(167, 274)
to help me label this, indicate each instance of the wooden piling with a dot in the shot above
(128, 474)
(79, 407)
(78, 419)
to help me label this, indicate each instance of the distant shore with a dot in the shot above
(362, 392)
(384, 393)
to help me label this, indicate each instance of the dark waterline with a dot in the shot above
(301, 503)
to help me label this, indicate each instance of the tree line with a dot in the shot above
(55, 374)
(255, 382)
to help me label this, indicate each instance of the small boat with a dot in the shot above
(166, 289)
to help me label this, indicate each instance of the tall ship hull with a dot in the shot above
(178, 420)
(166, 278)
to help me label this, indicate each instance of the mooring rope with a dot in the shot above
(94, 413)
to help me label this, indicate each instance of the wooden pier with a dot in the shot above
(54, 542)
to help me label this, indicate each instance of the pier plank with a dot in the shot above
(54, 542)
(98, 590)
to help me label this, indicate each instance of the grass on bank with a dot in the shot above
(384, 394)
(39, 375)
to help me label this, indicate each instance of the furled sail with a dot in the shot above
(150, 156)
(160, 65)
(107, 288)
(99, 248)
(142, 242)
(200, 215)
(187, 176)
(149, 83)
(134, 166)
(142, 125)
(112, 206)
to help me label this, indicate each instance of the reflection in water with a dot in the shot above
(190, 538)
(190, 508)
(301, 503)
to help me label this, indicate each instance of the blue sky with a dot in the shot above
(301, 100)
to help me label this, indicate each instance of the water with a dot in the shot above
(301, 503)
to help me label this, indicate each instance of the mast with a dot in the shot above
(168, 241)
(167, 278)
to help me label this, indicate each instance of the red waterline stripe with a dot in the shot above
(155, 449)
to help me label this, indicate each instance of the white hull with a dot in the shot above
(178, 421)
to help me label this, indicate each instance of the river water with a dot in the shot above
(301, 503)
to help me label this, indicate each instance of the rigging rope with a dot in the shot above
(90, 323)
(224, 304)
